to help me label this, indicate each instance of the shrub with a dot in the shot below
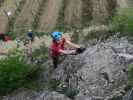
(40, 54)
(117, 98)
(53, 84)
(123, 21)
(13, 72)
(12, 35)
(68, 91)
(71, 93)
(130, 74)
(39, 34)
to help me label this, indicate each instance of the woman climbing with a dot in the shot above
(57, 47)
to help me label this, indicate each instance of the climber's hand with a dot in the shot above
(80, 50)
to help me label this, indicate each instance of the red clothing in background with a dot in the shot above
(4, 37)
(7, 39)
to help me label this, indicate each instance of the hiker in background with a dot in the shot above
(57, 47)
(28, 44)
(4, 37)
(30, 35)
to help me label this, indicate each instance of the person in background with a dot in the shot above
(30, 35)
(4, 37)
(57, 47)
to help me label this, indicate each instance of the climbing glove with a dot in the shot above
(80, 50)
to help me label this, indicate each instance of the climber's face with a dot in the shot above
(59, 40)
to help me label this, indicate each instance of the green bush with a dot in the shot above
(13, 72)
(122, 21)
(53, 84)
(130, 74)
(71, 93)
(40, 54)
(12, 35)
(39, 34)
(117, 98)
(68, 91)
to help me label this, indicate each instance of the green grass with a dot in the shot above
(33, 84)
(122, 22)
(130, 75)
(40, 54)
(116, 98)
(39, 34)
(13, 73)
(53, 84)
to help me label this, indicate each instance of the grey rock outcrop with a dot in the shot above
(25, 94)
(99, 73)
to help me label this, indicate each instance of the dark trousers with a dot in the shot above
(2, 37)
(55, 61)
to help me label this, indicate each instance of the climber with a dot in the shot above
(57, 47)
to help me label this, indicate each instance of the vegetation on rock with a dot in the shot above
(13, 72)
(123, 21)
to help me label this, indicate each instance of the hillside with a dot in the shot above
(101, 72)
(46, 15)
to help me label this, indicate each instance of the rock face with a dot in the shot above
(99, 73)
(45, 15)
(124, 3)
(25, 94)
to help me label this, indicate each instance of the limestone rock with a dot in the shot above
(25, 94)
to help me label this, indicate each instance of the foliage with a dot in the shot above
(11, 35)
(130, 74)
(33, 84)
(122, 21)
(53, 84)
(117, 98)
(71, 93)
(68, 91)
(99, 35)
(60, 26)
(39, 34)
(13, 72)
(40, 54)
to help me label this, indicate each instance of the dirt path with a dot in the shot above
(50, 16)
(25, 19)
(8, 5)
(73, 12)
